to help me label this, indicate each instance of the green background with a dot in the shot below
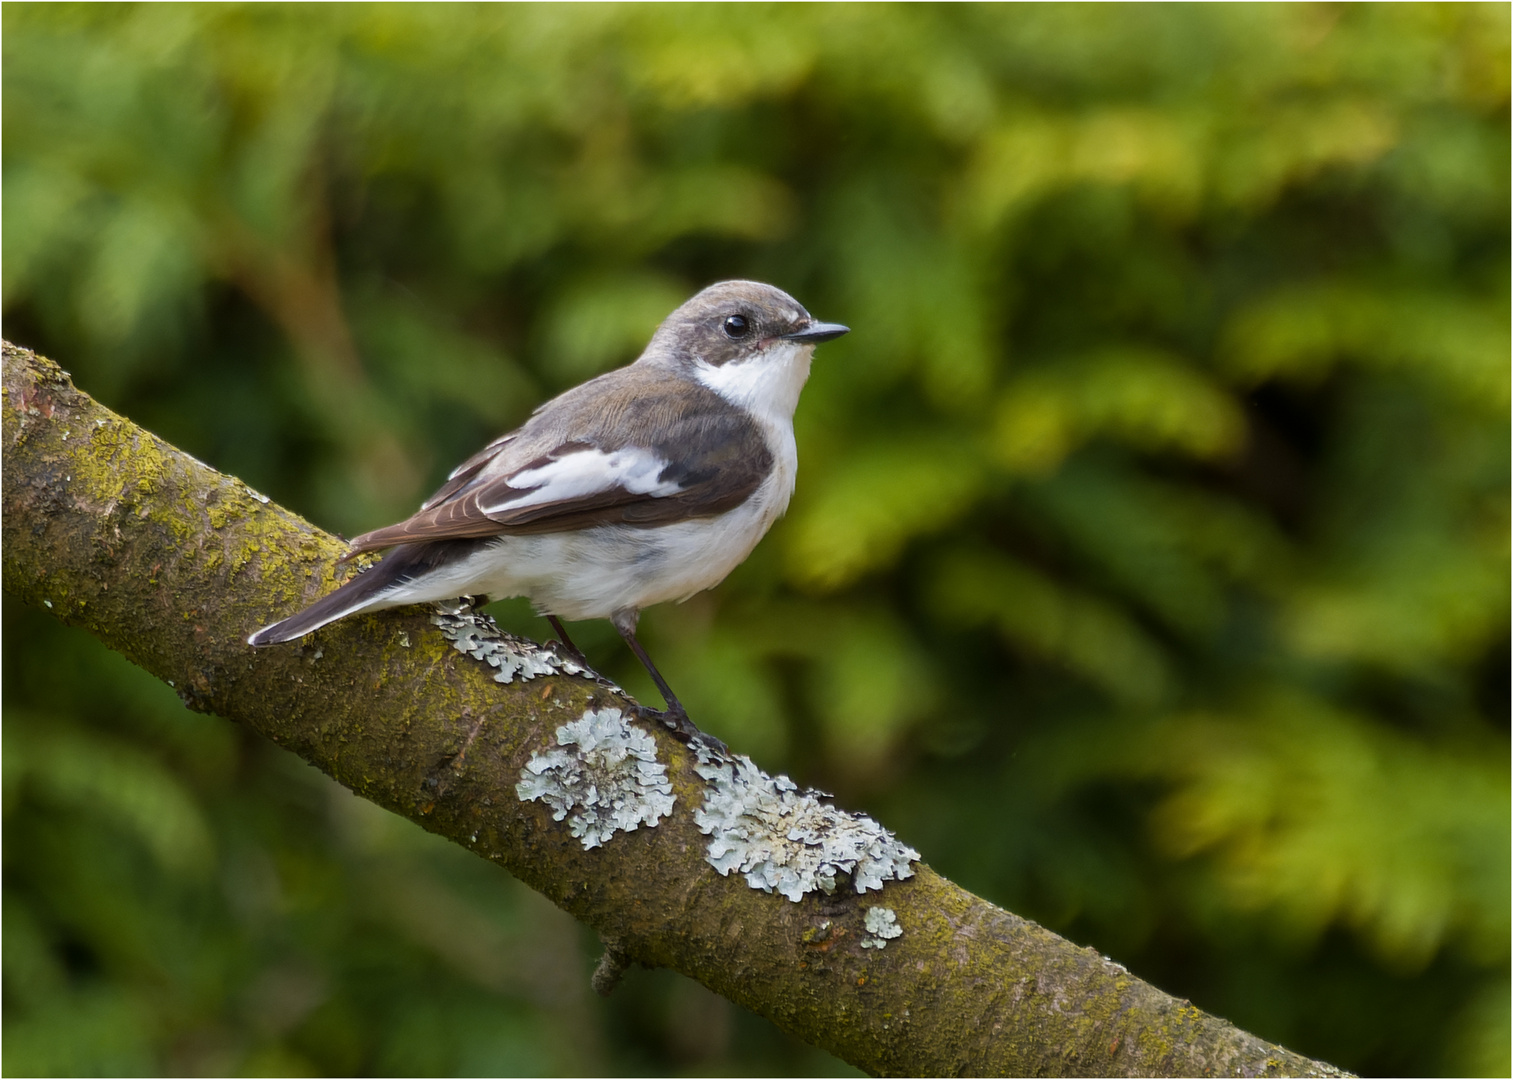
(1148, 569)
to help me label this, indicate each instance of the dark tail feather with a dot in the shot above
(405, 563)
(361, 592)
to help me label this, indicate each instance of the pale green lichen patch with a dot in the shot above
(882, 926)
(604, 778)
(511, 657)
(786, 840)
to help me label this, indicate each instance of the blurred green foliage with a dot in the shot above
(1149, 563)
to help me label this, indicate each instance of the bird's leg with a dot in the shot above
(676, 717)
(567, 641)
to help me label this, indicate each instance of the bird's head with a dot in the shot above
(751, 343)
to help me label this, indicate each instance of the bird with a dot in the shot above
(647, 484)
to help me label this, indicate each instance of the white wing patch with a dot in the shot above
(585, 473)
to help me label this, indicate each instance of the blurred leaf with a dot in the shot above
(1144, 399)
(726, 677)
(717, 56)
(144, 263)
(1168, 546)
(1323, 816)
(604, 322)
(1301, 332)
(1033, 154)
(1062, 625)
(99, 1032)
(1413, 606)
(869, 683)
(877, 500)
(1481, 1044)
(33, 972)
(112, 781)
(1299, 141)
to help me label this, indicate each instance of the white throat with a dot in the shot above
(766, 386)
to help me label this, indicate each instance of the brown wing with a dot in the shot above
(469, 470)
(703, 457)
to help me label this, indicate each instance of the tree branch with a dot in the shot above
(171, 563)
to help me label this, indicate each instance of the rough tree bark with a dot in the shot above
(171, 563)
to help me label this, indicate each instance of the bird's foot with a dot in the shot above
(565, 647)
(683, 729)
(568, 651)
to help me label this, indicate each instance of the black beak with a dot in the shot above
(817, 332)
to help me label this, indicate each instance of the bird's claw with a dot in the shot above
(566, 650)
(683, 729)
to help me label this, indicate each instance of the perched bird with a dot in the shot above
(646, 484)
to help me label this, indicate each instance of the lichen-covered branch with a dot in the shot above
(518, 755)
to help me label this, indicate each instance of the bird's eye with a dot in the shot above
(736, 326)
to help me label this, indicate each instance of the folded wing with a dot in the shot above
(641, 451)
